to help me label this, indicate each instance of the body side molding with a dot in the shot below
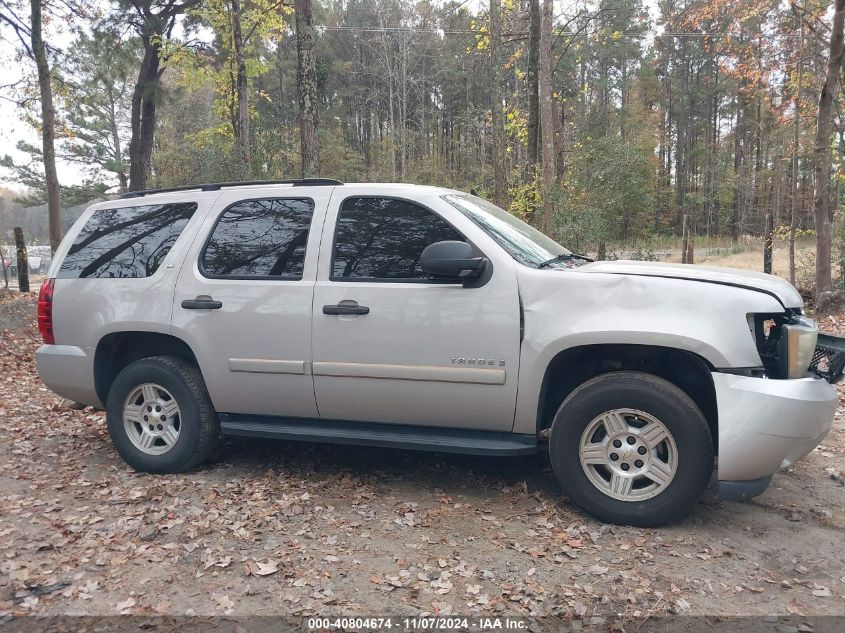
(433, 373)
(267, 366)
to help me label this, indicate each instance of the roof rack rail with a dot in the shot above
(217, 186)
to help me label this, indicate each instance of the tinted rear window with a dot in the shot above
(126, 242)
(260, 239)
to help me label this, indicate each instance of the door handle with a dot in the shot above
(202, 302)
(347, 306)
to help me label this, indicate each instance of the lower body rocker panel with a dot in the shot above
(419, 438)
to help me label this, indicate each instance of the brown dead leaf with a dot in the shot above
(126, 605)
(165, 606)
(225, 602)
(795, 608)
(256, 568)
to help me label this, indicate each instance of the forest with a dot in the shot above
(601, 122)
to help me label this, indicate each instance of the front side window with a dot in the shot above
(126, 242)
(383, 238)
(263, 239)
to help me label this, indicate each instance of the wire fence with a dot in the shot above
(38, 259)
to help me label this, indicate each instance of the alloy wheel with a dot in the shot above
(151, 419)
(628, 454)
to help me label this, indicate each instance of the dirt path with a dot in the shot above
(276, 528)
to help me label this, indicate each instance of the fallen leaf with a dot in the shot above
(256, 568)
(126, 604)
(165, 606)
(795, 608)
(225, 602)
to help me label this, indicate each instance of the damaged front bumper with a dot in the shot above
(766, 424)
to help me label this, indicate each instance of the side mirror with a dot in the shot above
(452, 259)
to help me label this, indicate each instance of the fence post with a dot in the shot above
(690, 245)
(6, 265)
(767, 247)
(23, 263)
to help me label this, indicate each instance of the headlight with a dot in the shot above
(796, 345)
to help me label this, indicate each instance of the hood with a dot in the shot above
(760, 282)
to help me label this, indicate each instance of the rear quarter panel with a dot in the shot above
(86, 310)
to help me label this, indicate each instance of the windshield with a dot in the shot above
(524, 243)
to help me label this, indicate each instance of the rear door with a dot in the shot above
(243, 299)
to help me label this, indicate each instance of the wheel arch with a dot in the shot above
(573, 366)
(118, 349)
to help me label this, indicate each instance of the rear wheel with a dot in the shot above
(632, 448)
(160, 417)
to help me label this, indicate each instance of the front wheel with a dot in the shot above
(160, 417)
(632, 448)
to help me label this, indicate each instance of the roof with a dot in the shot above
(217, 186)
(299, 182)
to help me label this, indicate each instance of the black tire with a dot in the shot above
(651, 395)
(199, 430)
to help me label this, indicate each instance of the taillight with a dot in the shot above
(45, 311)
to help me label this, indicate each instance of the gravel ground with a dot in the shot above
(284, 528)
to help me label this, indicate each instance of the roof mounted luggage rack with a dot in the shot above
(217, 186)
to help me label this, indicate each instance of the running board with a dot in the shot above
(416, 438)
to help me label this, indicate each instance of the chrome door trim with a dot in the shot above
(430, 373)
(266, 366)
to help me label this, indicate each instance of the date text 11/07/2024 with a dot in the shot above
(450, 623)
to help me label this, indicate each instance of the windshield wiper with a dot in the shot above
(564, 257)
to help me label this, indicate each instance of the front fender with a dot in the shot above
(567, 309)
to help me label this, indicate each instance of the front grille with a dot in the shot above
(829, 358)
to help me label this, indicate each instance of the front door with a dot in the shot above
(394, 345)
(243, 300)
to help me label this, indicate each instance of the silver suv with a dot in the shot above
(424, 318)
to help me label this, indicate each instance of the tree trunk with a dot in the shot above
(307, 84)
(767, 244)
(48, 128)
(500, 181)
(533, 91)
(154, 29)
(118, 169)
(392, 120)
(242, 116)
(144, 98)
(737, 211)
(793, 208)
(664, 141)
(822, 198)
(403, 108)
(546, 121)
